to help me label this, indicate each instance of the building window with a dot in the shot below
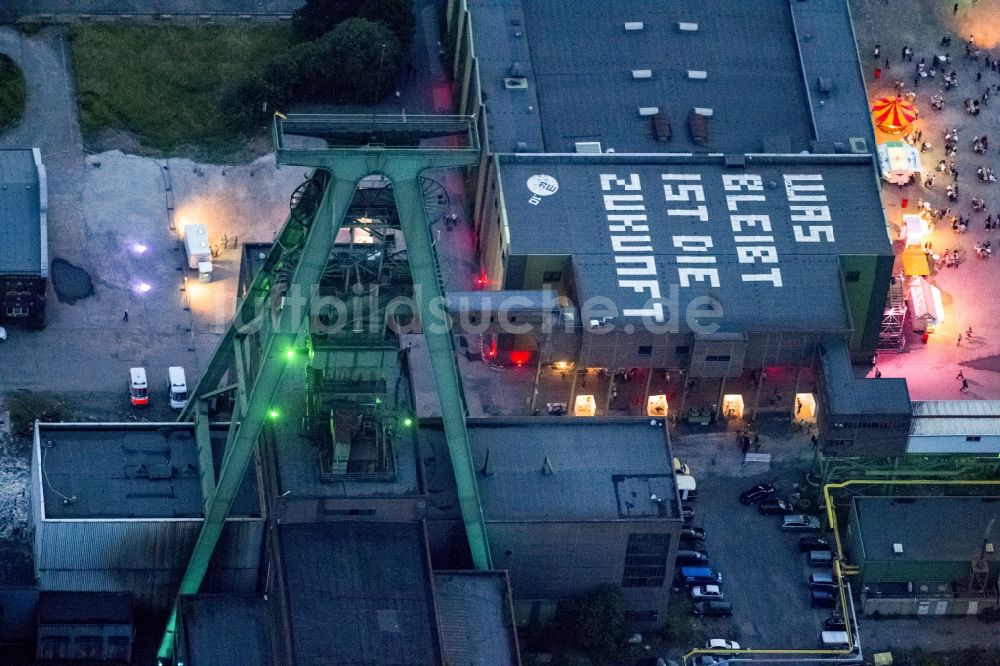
(54, 647)
(645, 350)
(973, 438)
(852, 276)
(552, 276)
(682, 350)
(118, 649)
(642, 616)
(646, 560)
(717, 358)
(89, 647)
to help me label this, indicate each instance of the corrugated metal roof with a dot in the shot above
(475, 618)
(962, 408)
(20, 214)
(359, 593)
(968, 426)
(224, 630)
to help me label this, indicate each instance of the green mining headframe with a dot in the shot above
(399, 148)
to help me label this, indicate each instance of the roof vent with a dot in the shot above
(588, 147)
(685, 26)
(642, 73)
(547, 467)
(897, 548)
(632, 26)
(697, 74)
(989, 548)
(516, 70)
(648, 110)
(858, 144)
(703, 111)
(824, 84)
(521, 147)
(515, 83)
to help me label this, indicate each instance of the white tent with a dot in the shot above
(898, 161)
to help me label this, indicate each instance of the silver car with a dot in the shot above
(800, 523)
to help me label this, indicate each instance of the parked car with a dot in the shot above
(687, 513)
(699, 576)
(692, 557)
(800, 523)
(772, 506)
(722, 644)
(707, 592)
(708, 660)
(712, 608)
(823, 597)
(821, 558)
(824, 579)
(689, 534)
(808, 543)
(756, 493)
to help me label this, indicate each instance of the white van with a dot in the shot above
(138, 390)
(835, 640)
(177, 387)
(687, 486)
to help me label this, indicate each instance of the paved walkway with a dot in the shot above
(12, 10)
(970, 292)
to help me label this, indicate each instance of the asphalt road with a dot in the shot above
(764, 575)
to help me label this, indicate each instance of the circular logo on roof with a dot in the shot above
(542, 185)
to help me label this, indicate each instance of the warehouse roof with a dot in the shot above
(128, 471)
(848, 394)
(359, 593)
(84, 607)
(224, 630)
(476, 618)
(22, 204)
(776, 267)
(930, 529)
(573, 469)
(586, 76)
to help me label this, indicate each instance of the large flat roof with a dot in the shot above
(774, 271)
(758, 66)
(931, 529)
(359, 593)
(224, 630)
(573, 469)
(20, 215)
(147, 470)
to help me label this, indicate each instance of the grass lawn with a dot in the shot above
(163, 84)
(11, 93)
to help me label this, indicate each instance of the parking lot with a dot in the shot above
(764, 575)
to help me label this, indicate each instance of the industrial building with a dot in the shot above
(24, 253)
(118, 507)
(925, 555)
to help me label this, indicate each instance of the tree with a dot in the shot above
(595, 622)
(317, 17)
(358, 61)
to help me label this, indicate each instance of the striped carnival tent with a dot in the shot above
(893, 115)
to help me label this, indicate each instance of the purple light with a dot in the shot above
(141, 287)
(139, 248)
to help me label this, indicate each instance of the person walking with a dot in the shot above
(877, 51)
(961, 374)
(959, 343)
(968, 333)
(125, 318)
